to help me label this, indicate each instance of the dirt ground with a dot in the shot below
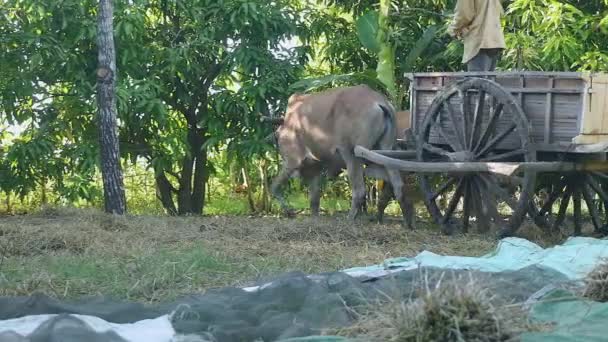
(73, 252)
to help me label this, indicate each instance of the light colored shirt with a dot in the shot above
(477, 22)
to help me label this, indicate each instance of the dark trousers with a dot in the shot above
(485, 60)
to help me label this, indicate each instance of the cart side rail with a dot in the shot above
(565, 109)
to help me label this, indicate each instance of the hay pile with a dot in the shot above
(596, 283)
(456, 309)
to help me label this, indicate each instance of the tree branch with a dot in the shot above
(213, 72)
(423, 10)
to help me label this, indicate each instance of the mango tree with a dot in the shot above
(179, 64)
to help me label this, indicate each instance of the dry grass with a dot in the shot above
(454, 309)
(544, 238)
(596, 283)
(73, 252)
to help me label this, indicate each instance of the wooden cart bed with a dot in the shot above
(565, 110)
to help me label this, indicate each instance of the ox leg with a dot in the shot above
(407, 208)
(386, 194)
(314, 189)
(275, 189)
(354, 167)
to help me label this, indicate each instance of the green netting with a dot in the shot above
(296, 305)
(573, 319)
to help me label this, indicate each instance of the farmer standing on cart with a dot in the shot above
(477, 23)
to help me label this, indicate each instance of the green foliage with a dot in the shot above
(556, 35)
(317, 83)
(367, 31)
(194, 77)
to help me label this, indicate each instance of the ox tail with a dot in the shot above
(387, 138)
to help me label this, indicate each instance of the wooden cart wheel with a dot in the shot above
(496, 130)
(571, 191)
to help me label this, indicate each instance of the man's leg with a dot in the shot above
(494, 55)
(481, 62)
(485, 60)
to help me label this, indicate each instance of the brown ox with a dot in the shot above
(319, 132)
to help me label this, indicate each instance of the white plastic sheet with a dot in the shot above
(574, 259)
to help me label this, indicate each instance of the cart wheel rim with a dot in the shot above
(494, 129)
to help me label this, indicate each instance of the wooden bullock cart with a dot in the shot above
(485, 142)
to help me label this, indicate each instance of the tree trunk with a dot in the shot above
(9, 207)
(164, 192)
(265, 193)
(200, 181)
(248, 187)
(184, 200)
(113, 187)
(43, 196)
(194, 176)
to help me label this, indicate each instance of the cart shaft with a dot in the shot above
(507, 169)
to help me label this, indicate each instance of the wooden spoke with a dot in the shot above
(498, 192)
(454, 143)
(504, 156)
(573, 188)
(595, 217)
(464, 111)
(494, 142)
(576, 200)
(475, 202)
(487, 133)
(459, 134)
(493, 200)
(493, 210)
(443, 189)
(477, 120)
(466, 206)
(600, 175)
(561, 215)
(436, 150)
(481, 209)
(454, 201)
(597, 188)
(496, 196)
(551, 200)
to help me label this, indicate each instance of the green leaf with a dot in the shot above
(422, 43)
(367, 31)
(128, 28)
(309, 84)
